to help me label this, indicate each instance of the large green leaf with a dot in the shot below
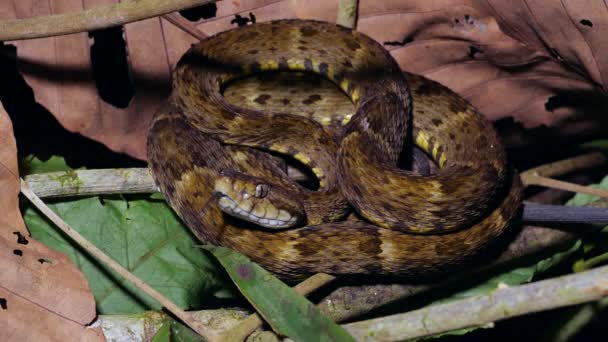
(144, 236)
(287, 312)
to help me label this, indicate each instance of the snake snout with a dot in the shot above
(250, 202)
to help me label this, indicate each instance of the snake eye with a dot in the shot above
(261, 190)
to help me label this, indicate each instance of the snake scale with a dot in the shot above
(210, 158)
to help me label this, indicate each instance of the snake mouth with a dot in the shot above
(282, 218)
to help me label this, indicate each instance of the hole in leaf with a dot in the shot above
(404, 41)
(586, 22)
(44, 260)
(21, 238)
(3, 303)
(110, 66)
(200, 12)
(18, 252)
(242, 21)
(579, 100)
(473, 50)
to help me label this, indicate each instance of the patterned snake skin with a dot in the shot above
(208, 150)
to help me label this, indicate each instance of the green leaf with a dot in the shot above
(145, 237)
(31, 164)
(157, 196)
(163, 334)
(601, 144)
(287, 312)
(181, 333)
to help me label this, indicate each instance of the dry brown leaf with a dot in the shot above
(43, 296)
(523, 59)
(58, 70)
(532, 60)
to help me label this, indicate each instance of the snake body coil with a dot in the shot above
(201, 145)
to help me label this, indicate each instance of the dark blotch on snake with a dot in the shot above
(429, 88)
(312, 99)
(307, 31)
(261, 99)
(458, 106)
(283, 65)
(352, 44)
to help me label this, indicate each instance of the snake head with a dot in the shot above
(256, 201)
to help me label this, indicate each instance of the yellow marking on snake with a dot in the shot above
(302, 158)
(318, 172)
(422, 140)
(240, 156)
(278, 148)
(435, 150)
(355, 95)
(442, 160)
(344, 85)
(269, 65)
(296, 65)
(346, 119)
(330, 74)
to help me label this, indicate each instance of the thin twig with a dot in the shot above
(541, 175)
(566, 186)
(562, 167)
(91, 182)
(347, 13)
(247, 326)
(101, 256)
(185, 25)
(91, 19)
(481, 310)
